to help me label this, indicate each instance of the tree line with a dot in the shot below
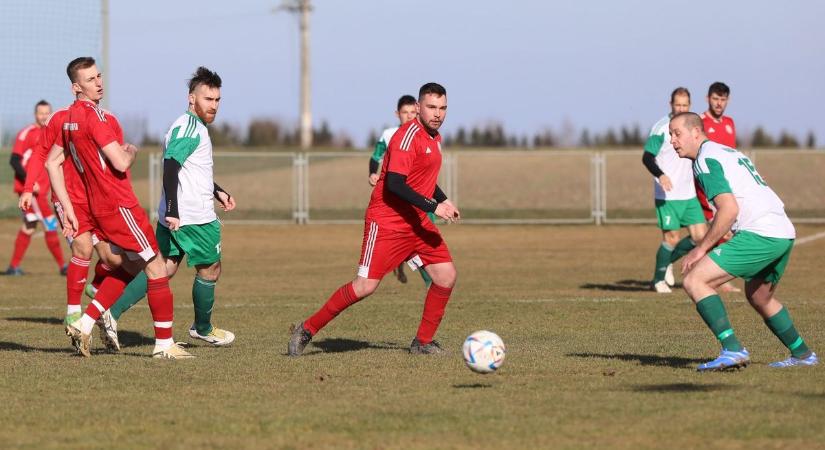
(270, 132)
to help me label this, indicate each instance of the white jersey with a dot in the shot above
(187, 142)
(724, 170)
(677, 169)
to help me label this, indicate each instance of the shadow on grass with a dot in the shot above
(133, 339)
(624, 286)
(15, 347)
(337, 345)
(683, 387)
(472, 386)
(44, 320)
(645, 360)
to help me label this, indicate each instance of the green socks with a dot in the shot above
(782, 326)
(134, 291)
(426, 277)
(203, 297)
(713, 313)
(682, 248)
(662, 261)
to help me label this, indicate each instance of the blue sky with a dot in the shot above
(529, 64)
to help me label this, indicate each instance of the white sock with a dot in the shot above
(72, 309)
(86, 324)
(163, 344)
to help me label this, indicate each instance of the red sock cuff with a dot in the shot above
(441, 290)
(157, 283)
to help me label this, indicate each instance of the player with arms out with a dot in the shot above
(189, 225)
(674, 194)
(102, 161)
(758, 252)
(397, 229)
(25, 145)
(404, 111)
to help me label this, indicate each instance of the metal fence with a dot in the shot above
(490, 187)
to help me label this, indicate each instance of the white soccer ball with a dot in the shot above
(483, 351)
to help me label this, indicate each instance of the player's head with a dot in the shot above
(87, 81)
(204, 94)
(432, 106)
(687, 134)
(679, 100)
(42, 111)
(405, 111)
(718, 94)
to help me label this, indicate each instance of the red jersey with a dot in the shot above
(88, 129)
(416, 154)
(53, 135)
(25, 144)
(722, 131)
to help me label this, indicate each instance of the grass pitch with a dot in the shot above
(594, 360)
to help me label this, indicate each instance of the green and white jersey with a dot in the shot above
(188, 143)
(677, 169)
(724, 170)
(383, 143)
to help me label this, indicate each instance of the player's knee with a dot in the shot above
(445, 276)
(690, 282)
(28, 228)
(82, 249)
(208, 272)
(364, 287)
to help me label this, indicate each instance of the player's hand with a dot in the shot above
(173, 222)
(130, 148)
(70, 224)
(373, 179)
(664, 180)
(36, 187)
(447, 211)
(25, 201)
(226, 201)
(690, 260)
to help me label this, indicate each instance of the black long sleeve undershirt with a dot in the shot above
(17, 164)
(439, 195)
(170, 186)
(650, 163)
(397, 184)
(373, 166)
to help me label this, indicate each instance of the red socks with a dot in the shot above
(76, 279)
(434, 305)
(108, 293)
(53, 242)
(20, 246)
(101, 271)
(162, 306)
(340, 300)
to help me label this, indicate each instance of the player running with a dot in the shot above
(189, 225)
(24, 148)
(102, 161)
(758, 252)
(674, 194)
(404, 111)
(396, 227)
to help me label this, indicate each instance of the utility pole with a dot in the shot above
(104, 50)
(303, 8)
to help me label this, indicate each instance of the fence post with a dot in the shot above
(153, 186)
(299, 188)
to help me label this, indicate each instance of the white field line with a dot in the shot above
(810, 238)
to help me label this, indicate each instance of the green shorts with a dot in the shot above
(200, 243)
(675, 214)
(748, 255)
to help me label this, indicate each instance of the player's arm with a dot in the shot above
(712, 179)
(178, 149)
(120, 157)
(397, 184)
(652, 146)
(223, 197)
(375, 160)
(16, 163)
(54, 166)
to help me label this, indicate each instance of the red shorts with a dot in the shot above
(128, 232)
(40, 210)
(85, 222)
(383, 250)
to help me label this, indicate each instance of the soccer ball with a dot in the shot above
(483, 351)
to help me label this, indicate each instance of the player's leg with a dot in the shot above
(668, 221)
(50, 231)
(381, 251)
(686, 244)
(432, 253)
(760, 292)
(21, 243)
(428, 280)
